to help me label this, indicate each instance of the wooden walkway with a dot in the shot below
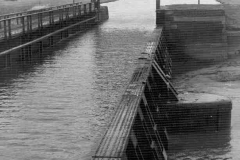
(12, 25)
(24, 38)
(138, 128)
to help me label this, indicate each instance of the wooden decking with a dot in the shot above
(138, 128)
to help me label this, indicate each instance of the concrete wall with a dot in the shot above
(103, 14)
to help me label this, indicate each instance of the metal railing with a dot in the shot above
(16, 14)
(26, 51)
(26, 22)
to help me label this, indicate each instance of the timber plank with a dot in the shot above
(120, 128)
(120, 131)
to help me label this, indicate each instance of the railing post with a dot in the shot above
(0, 23)
(85, 9)
(60, 16)
(5, 29)
(17, 19)
(30, 23)
(39, 25)
(23, 24)
(49, 18)
(67, 13)
(52, 17)
(9, 29)
(74, 11)
(90, 7)
(79, 10)
(41, 20)
(40, 48)
(29, 52)
(157, 4)
(98, 9)
(51, 41)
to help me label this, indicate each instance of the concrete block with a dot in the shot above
(199, 112)
(103, 14)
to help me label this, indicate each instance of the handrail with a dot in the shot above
(26, 12)
(11, 26)
(42, 38)
(2, 20)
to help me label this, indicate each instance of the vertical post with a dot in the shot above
(8, 60)
(85, 9)
(98, 9)
(90, 7)
(22, 54)
(9, 28)
(157, 4)
(17, 19)
(30, 23)
(23, 24)
(160, 14)
(40, 48)
(59, 14)
(5, 29)
(39, 25)
(0, 23)
(41, 21)
(80, 10)
(30, 52)
(198, 1)
(67, 13)
(52, 17)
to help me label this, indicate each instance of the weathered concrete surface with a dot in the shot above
(103, 14)
(200, 112)
(198, 30)
(232, 10)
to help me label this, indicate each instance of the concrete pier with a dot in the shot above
(199, 112)
(199, 30)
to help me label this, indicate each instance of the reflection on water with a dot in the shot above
(200, 146)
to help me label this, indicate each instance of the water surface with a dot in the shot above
(58, 107)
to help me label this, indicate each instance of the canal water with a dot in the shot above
(57, 108)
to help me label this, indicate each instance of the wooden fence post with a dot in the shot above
(23, 24)
(9, 29)
(5, 29)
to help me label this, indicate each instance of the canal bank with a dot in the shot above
(219, 76)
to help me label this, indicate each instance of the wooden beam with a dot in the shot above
(157, 4)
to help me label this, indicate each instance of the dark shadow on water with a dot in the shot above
(28, 66)
(182, 63)
(210, 145)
